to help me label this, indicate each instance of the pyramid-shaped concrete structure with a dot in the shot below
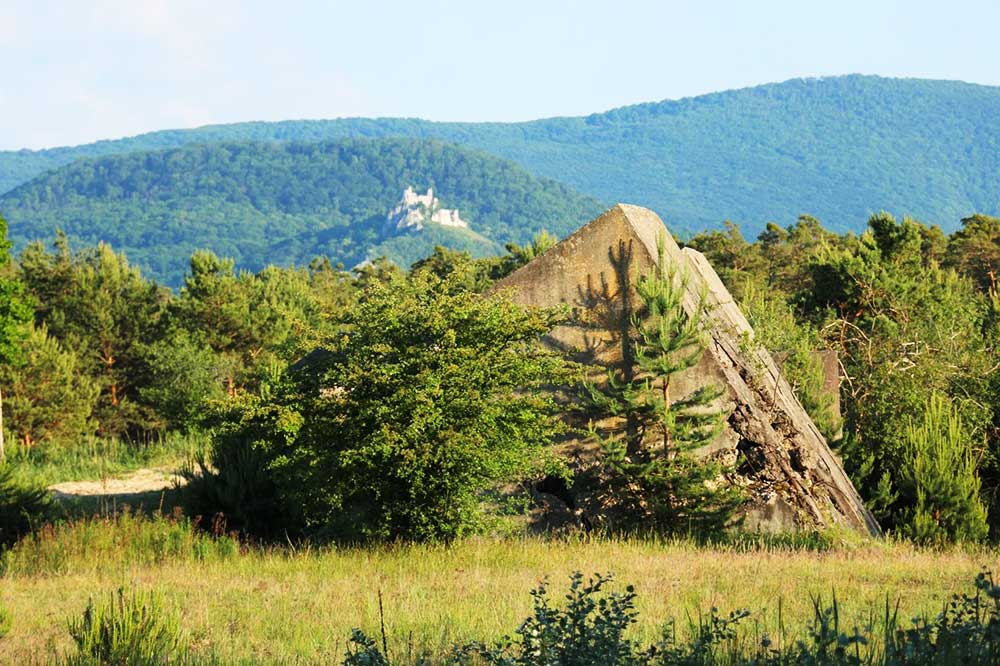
(792, 478)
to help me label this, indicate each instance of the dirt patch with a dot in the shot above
(150, 480)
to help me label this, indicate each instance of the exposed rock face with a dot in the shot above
(792, 478)
(416, 210)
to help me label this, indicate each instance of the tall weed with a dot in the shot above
(129, 629)
(6, 620)
(126, 539)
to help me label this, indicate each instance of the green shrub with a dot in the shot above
(236, 492)
(967, 631)
(23, 507)
(396, 431)
(905, 329)
(129, 629)
(363, 651)
(939, 479)
(588, 631)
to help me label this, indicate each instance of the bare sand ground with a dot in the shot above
(143, 481)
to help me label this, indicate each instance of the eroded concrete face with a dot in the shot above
(792, 478)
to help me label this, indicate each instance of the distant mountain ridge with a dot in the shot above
(284, 203)
(838, 148)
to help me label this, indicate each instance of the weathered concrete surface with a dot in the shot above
(829, 362)
(791, 476)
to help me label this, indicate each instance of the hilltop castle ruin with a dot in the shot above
(415, 210)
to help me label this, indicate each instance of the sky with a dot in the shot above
(81, 70)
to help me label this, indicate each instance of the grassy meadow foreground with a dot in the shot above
(282, 605)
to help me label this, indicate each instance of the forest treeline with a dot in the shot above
(285, 203)
(845, 144)
(382, 404)
(914, 316)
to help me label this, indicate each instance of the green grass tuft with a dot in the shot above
(99, 458)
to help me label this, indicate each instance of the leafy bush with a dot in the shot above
(129, 629)
(395, 431)
(905, 330)
(363, 651)
(591, 630)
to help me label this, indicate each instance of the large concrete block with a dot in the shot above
(793, 479)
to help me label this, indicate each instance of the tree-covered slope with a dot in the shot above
(263, 203)
(838, 148)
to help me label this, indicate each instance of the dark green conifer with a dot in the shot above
(656, 479)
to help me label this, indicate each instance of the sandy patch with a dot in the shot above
(140, 481)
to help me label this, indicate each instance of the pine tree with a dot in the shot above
(48, 398)
(15, 313)
(940, 480)
(655, 477)
(99, 306)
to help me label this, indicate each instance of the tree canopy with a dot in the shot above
(270, 203)
(838, 147)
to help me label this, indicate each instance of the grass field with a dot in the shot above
(96, 458)
(286, 604)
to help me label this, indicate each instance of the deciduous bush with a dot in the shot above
(906, 329)
(590, 630)
(395, 430)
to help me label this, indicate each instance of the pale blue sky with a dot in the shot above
(77, 71)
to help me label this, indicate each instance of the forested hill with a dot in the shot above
(283, 203)
(837, 148)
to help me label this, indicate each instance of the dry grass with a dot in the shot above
(282, 604)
